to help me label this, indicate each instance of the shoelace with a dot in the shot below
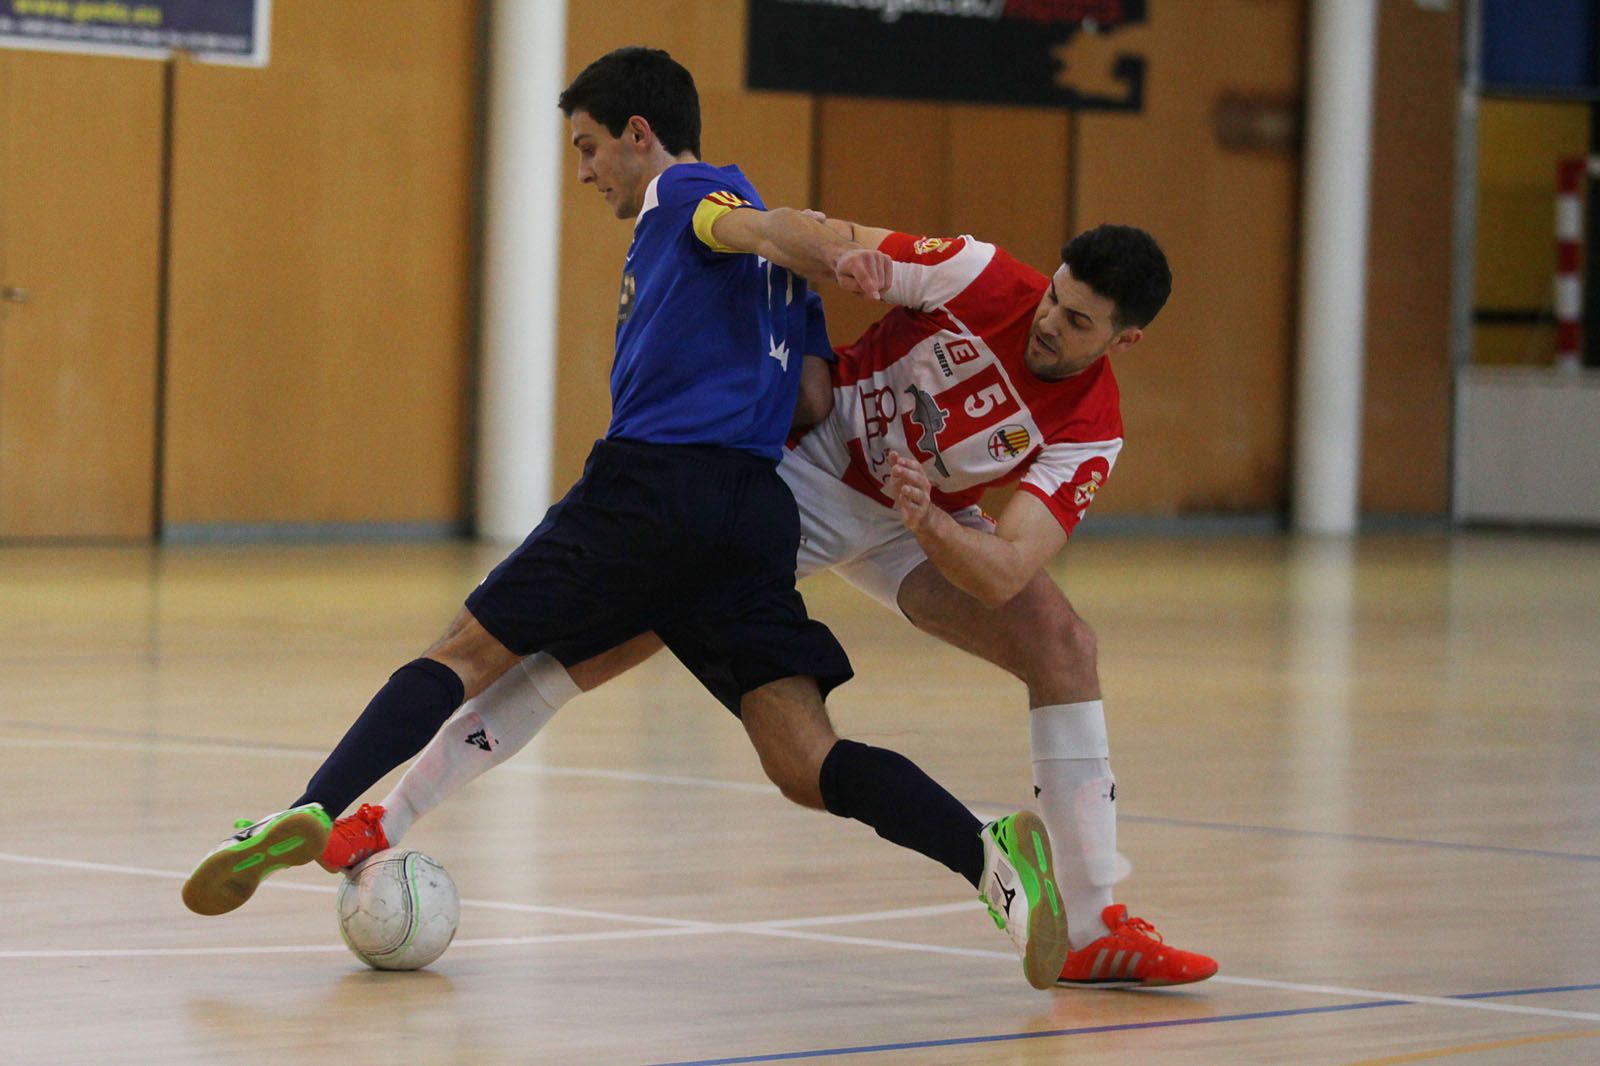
(1140, 927)
(370, 820)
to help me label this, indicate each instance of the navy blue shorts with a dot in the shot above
(694, 542)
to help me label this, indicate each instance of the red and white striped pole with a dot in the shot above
(1570, 174)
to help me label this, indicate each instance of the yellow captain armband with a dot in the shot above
(711, 208)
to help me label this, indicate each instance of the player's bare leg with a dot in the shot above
(1038, 638)
(788, 726)
(472, 653)
(1008, 861)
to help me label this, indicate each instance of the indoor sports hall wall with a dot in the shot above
(320, 271)
(322, 253)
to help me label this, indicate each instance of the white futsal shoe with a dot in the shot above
(1019, 888)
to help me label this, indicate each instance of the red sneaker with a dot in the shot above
(1131, 954)
(354, 837)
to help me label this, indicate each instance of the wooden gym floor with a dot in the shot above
(1365, 776)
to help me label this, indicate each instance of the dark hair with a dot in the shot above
(639, 81)
(1126, 266)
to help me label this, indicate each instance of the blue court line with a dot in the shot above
(1358, 838)
(1090, 1030)
(1143, 819)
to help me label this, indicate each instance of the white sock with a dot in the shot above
(485, 732)
(1077, 798)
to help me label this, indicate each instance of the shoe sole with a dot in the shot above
(1047, 925)
(1153, 982)
(229, 876)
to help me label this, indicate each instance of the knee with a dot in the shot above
(1063, 645)
(798, 782)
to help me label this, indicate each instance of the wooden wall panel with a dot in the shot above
(80, 193)
(880, 162)
(1006, 179)
(995, 172)
(768, 135)
(1405, 448)
(1205, 395)
(322, 257)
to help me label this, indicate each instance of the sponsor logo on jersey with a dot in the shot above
(481, 740)
(962, 351)
(931, 245)
(625, 298)
(944, 361)
(878, 409)
(1008, 442)
(927, 413)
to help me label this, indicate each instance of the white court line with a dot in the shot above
(178, 747)
(329, 889)
(334, 948)
(539, 770)
(871, 916)
(781, 928)
(1427, 1001)
(171, 747)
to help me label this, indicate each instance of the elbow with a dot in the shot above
(999, 592)
(806, 413)
(815, 405)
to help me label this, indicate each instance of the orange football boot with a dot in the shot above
(353, 838)
(1133, 953)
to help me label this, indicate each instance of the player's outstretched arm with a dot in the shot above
(866, 236)
(788, 238)
(991, 567)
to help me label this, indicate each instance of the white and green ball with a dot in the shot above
(398, 910)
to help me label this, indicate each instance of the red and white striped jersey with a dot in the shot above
(941, 379)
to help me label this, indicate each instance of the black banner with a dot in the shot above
(221, 31)
(1046, 53)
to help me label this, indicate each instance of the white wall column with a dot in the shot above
(521, 219)
(1333, 268)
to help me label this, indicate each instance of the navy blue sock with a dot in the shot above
(902, 804)
(398, 723)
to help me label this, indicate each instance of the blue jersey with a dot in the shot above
(709, 343)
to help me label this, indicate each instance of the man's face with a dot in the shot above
(1072, 328)
(614, 165)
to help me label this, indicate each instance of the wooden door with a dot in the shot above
(319, 338)
(80, 208)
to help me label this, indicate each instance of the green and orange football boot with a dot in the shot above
(229, 875)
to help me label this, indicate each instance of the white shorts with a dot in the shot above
(857, 538)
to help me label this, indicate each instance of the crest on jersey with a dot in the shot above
(1008, 442)
(1087, 482)
(931, 245)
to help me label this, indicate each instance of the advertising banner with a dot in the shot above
(1048, 53)
(219, 31)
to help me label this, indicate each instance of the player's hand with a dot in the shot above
(865, 272)
(911, 491)
(814, 215)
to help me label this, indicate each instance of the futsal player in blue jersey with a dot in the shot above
(680, 523)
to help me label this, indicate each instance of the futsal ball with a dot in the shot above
(398, 910)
